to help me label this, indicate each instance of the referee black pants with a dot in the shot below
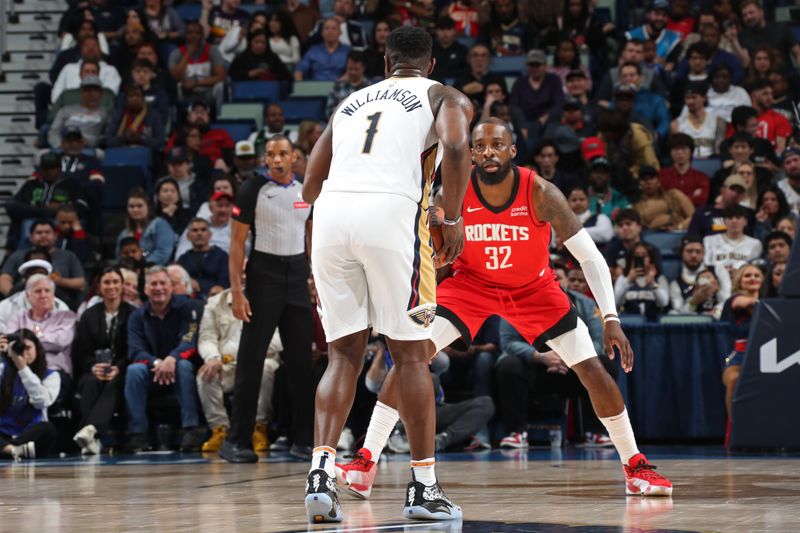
(277, 288)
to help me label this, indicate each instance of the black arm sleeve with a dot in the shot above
(244, 210)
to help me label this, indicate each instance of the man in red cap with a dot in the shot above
(221, 205)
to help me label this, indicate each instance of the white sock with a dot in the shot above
(424, 471)
(324, 457)
(383, 420)
(621, 433)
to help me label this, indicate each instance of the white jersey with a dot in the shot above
(792, 195)
(722, 251)
(384, 141)
(704, 136)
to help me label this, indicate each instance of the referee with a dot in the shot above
(276, 294)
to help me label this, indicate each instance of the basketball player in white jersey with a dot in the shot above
(369, 178)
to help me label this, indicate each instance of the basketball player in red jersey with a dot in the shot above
(504, 269)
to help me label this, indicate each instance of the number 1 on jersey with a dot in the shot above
(371, 131)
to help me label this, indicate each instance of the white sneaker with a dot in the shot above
(515, 440)
(346, 440)
(93, 448)
(398, 442)
(24, 451)
(85, 436)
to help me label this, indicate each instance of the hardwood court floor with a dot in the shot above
(575, 490)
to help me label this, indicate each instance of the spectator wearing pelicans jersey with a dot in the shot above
(732, 248)
(270, 207)
(709, 219)
(198, 67)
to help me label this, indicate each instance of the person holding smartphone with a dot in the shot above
(100, 355)
(642, 289)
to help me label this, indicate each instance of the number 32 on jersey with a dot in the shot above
(498, 257)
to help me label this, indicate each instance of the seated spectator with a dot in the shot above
(741, 151)
(83, 168)
(568, 133)
(790, 184)
(566, 58)
(692, 69)
(687, 293)
(625, 104)
(506, 34)
(474, 80)
(774, 277)
(70, 78)
(162, 20)
(244, 162)
(647, 104)
(304, 18)
(577, 88)
(539, 95)
(162, 77)
(628, 145)
(641, 289)
(724, 96)
(681, 176)
(218, 345)
(29, 387)
(709, 219)
(655, 29)
(78, 29)
(197, 67)
(376, 70)
(136, 124)
(784, 93)
(100, 356)
(308, 133)
(55, 329)
(731, 249)
(545, 155)
(189, 137)
(258, 62)
(70, 234)
(327, 60)
(300, 163)
(215, 143)
(133, 37)
(603, 198)
(193, 190)
(220, 19)
(131, 250)
(702, 125)
(235, 41)
(579, 22)
(87, 116)
(130, 288)
(756, 30)
(274, 124)
(496, 92)
(629, 234)
(747, 171)
(597, 224)
(182, 284)
(353, 80)
(764, 59)
(745, 120)
(109, 18)
(67, 269)
(161, 338)
(143, 74)
(722, 51)
(662, 209)
(168, 205)
(632, 51)
(221, 205)
(351, 32)
(738, 310)
(221, 183)
(73, 96)
(283, 38)
(777, 246)
(42, 195)
(772, 126)
(18, 302)
(154, 234)
(205, 263)
(788, 225)
(453, 59)
(770, 208)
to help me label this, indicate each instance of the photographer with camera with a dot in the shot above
(642, 289)
(99, 359)
(27, 389)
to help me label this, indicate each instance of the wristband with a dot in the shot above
(610, 318)
(448, 222)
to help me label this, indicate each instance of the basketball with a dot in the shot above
(435, 217)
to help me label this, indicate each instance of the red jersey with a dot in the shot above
(772, 125)
(506, 246)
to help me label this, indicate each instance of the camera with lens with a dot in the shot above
(15, 344)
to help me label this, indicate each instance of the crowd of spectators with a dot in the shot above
(673, 119)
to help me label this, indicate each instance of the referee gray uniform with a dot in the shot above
(277, 288)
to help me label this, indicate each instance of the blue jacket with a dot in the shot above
(720, 57)
(654, 108)
(157, 242)
(151, 338)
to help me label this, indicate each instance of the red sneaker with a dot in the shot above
(641, 478)
(359, 473)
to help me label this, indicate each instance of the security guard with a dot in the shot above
(271, 207)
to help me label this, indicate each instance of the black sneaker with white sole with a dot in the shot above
(425, 502)
(322, 501)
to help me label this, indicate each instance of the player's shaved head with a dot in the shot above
(492, 150)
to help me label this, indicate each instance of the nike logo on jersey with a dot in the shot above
(473, 209)
(271, 196)
(542, 272)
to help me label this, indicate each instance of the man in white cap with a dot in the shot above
(244, 161)
(17, 302)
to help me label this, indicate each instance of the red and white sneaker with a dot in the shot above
(358, 474)
(515, 440)
(597, 440)
(641, 478)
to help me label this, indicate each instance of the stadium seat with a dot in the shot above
(671, 266)
(239, 128)
(630, 319)
(236, 111)
(136, 156)
(256, 91)
(125, 168)
(469, 42)
(668, 242)
(685, 319)
(508, 65)
(257, 8)
(303, 109)
(312, 88)
(709, 167)
(189, 11)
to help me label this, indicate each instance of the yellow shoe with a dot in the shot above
(218, 436)
(260, 438)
